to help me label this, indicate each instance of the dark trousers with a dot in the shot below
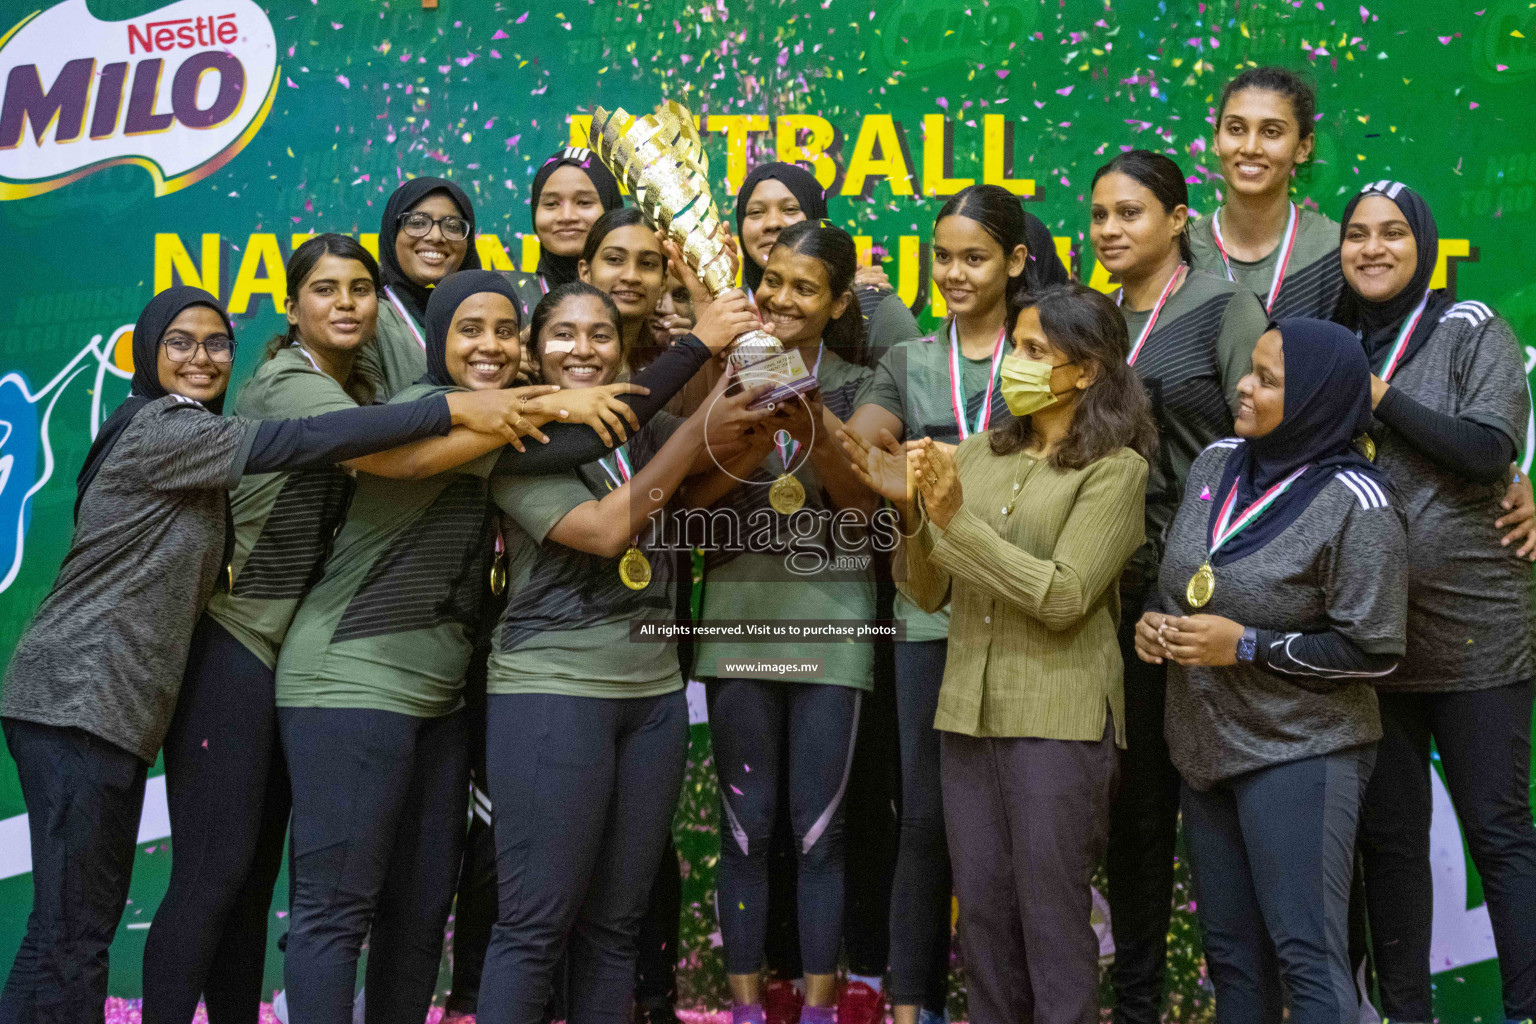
(584, 789)
(657, 950)
(379, 801)
(1273, 855)
(871, 825)
(1143, 832)
(1484, 741)
(747, 718)
(474, 904)
(227, 789)
(1027, 820)
(83, 796)
(920, 899)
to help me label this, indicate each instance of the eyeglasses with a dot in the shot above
(419, 225)
(182, 349)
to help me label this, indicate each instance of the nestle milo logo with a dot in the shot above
(921, 35)
(177, 92)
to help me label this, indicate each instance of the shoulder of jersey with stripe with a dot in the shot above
(184, 400)
(1470, 310)
(1226, 442)
(1367, 491)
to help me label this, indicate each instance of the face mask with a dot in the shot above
(1026, 385)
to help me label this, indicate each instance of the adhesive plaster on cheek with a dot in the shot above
(559, 345)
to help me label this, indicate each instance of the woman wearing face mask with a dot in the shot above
(944, 388)
(776, 565)
(1451, 404)
(587, 732)
(1281, 605)
(1025, 529)
(569, 193)
(427, 233)
(369, 681)
(1191, 339)
(1259, 237)
(226, 782)
(92, 684)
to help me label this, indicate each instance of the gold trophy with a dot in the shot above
(661, 160)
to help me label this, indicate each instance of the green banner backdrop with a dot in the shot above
(201, 140)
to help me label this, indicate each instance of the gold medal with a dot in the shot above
(1201, 586)
(1369, 446)
(498, 575)
(229, 577)
(786, 495)
(635, 569)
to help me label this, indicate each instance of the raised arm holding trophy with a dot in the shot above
(661, 160)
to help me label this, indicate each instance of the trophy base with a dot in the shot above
(784, 372)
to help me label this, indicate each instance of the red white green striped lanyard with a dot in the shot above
(1287, 243)
(957, 395)
(788, 447)
(1221, 532)
(389, 293)
(1400, 346)
(621, 477)
(1146, 332)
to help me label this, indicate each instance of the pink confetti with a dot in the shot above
(522, 19)
(1205, 493)
(1445, 40)
(345, 82)
(1365, 15)
(501, 34)
(290, 82)
(1002, 73)
(1065, 92)
(736, 791)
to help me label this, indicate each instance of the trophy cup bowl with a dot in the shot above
(661, 159)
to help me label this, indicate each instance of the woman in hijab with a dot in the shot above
(776, 195)
(1281, 601)
(93, 682)
(427, 233)
(1451, 407)
(570, 191)
(370, 676)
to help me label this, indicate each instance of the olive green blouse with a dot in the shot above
(1030, 563)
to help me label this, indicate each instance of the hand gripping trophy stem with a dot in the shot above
(661, 160)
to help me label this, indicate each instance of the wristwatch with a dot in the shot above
(1247, 646)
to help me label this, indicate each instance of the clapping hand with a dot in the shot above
(933, 465)
(883, 468)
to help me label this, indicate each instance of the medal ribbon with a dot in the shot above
(1146, 332)
(305, 353)
(400, 308)
(620, 478)
(1287, 243)
(1221, 532)
(1400, 346)
(787, 449)
(957, 396)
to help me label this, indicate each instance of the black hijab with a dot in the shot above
(146, 386)
(1327, 406)
(1377, 323)
(801, 183)
(1045, 269)
(413, 295)
(446, 299)
(559, 270)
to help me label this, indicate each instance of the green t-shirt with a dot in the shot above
(395, 359)
(388, 625)
(769, 566)
(1314, 277)
(567, 625)
(1200, 347)
(912, 383)
(284, 522)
